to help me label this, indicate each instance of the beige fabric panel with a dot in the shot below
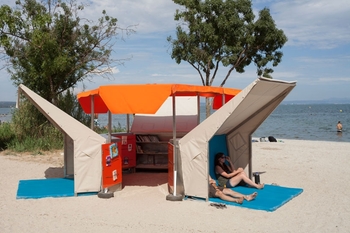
(87, 144)
(238, 119)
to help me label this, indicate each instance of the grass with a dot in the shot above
(49, 139)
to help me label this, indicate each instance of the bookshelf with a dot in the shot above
(151, 152)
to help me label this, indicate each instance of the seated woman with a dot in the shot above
(227, 176)
(227, 194)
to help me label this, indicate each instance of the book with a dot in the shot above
(146, 138)
(113, 150)
(139, 149)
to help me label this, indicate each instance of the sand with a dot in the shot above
(320, 168)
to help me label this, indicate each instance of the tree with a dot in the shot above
(49, 48)
(224, 33)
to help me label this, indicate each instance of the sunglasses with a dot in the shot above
(223, 157)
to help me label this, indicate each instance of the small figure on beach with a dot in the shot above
(227, 194)
(339, 127)
(228, 177)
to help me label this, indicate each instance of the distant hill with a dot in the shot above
(325, 101)
(7, 104)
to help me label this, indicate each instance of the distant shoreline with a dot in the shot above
(7, 104)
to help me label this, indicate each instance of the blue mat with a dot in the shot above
(41, 188)
(270, 198)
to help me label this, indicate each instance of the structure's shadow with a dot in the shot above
(54, 172)
(145, 178)
(138, 178)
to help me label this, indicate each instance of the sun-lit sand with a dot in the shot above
(322, 169)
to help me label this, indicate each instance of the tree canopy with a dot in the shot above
(49, 48)
(224, 32)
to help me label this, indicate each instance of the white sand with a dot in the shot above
(322, 169)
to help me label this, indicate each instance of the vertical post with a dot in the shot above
(175, 144)
(127, 123)
(198, 110)
(18, 96)
(92, 112)
(109, 126)
(250, 158)
(174, 196)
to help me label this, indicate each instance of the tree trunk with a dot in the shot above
(207, 107)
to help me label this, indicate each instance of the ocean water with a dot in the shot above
(5, 114)
(307, 122)
(298, 121)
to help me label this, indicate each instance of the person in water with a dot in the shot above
(339, 126)
(230, 177)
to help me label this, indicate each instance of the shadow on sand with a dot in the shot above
(54, 172)
(145, 178)
(138, 178)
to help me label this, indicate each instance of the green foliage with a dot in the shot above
(33, 132)
(6, 135)
(52, 140)
(51, 49)
(69, 103)
(115, 129)
(25, 134)
(28, 121)
(224, 33)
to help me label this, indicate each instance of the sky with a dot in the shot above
(316, 56)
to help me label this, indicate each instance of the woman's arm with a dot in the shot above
(230, 163)
(232, 167)
(220, 171)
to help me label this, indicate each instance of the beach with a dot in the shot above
(320, 168)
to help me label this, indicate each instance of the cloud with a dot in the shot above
(319, 24)
(148, 15)
(105, 70)
(334, 79)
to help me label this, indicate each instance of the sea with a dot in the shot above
(287, 121)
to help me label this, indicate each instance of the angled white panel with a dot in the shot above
(87, 144)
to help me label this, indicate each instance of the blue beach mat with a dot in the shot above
(270, 198)
(41, 188)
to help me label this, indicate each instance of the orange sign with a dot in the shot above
(111, 165)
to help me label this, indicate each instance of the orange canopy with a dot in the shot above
(144, 98)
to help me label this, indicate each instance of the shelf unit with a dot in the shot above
(151, 153)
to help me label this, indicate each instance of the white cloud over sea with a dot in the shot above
(316, 54)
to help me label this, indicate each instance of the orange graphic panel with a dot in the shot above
(111, 165)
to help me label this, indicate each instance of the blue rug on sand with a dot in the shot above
(270, 198)
(41, 188)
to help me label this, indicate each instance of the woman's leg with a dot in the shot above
(251, 196)
(242, 176)
(224, 197)
(232, 193)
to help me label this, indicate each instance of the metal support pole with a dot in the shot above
(109, 127)
(92, 112)
(174, 197)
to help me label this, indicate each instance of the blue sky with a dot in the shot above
(317, 54)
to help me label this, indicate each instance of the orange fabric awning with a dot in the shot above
(143, 98)
(217, 102)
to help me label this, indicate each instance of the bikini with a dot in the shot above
(223, 181)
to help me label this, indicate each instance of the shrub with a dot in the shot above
(6, 135)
